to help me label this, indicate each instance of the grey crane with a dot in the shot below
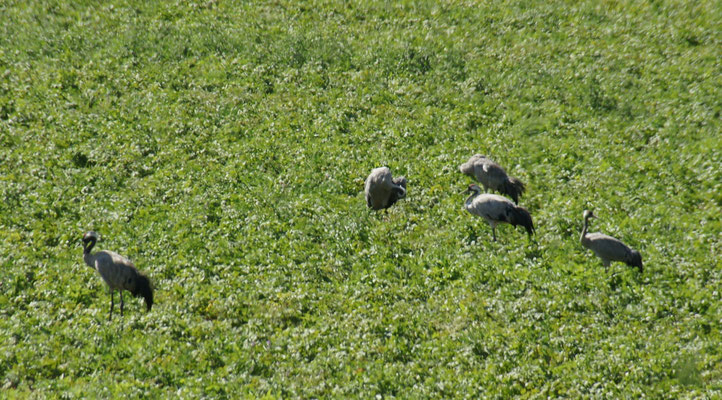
(118, 272)
(496, 210)
(382, 191)
(608, 248)
(492, 176)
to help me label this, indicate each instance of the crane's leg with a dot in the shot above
(121, 303)
(110, 316)
(606, 263)
(493, 232)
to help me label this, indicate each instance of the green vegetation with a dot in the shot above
(223, 145)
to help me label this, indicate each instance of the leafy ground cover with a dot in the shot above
(222, 146)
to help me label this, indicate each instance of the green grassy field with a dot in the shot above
(222, 146)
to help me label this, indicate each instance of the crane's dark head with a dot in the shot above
(399, 190)
(473, 188)
(89, 236)
(89, 240)
(588, 214)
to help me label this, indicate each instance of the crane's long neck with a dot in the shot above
(471, 198)
(87, 257)
(584, 230)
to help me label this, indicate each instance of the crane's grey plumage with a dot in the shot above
(496, 210)
(492, 176)
(608, 248)
(382, 191)
(118, 272)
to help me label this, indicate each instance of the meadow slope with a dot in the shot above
(222, 146)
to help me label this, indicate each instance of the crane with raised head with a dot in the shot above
(118, 272)
(608, 248)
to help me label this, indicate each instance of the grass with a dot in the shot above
(223, 145)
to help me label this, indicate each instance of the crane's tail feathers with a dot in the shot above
(513, 188)
(636, 260)
(520, 216)
(143, 288)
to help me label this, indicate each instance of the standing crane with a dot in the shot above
(608, 248)
(118, 272)
(493, 176)
(382, 191)
(496, 209)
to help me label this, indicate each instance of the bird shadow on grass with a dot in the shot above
(471, 237)
(621, 279)
(533, 252)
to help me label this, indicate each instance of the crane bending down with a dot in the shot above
(496, 210)
(118, 272)
(493, 176)
(381, 190)
(608, 248)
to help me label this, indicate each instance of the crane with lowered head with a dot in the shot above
(382, 191)
(492, 176)
(496, 210)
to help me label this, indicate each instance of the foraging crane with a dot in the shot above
(496, 209)
(382, 191)
(608, 248)
(492, 175)
(118, 272)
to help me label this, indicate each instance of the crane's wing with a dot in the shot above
(491, 207)
(378, 187)
(493, 171)
(608, 247)
(114, 268)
